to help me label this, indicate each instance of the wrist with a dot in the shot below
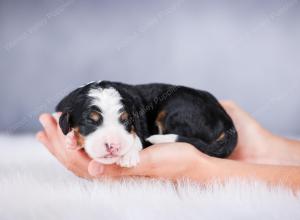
(206, 169)
(221, 170)
(282, 151)
(264, 147)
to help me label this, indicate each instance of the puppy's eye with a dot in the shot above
(124, 117)
(95, 116)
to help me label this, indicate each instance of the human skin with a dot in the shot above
(258, 145)
(259, 155)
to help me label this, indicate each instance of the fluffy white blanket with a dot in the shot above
(34, 186)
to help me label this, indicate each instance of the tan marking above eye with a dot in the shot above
(95, 116)
(124, 116)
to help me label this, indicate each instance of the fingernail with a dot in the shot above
(95, 169)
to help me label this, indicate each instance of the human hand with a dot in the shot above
(159, 160)
(168, 161)
(76, 160)
(253, 139)
(180, 160)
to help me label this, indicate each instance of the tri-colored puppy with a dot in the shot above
(114, 121)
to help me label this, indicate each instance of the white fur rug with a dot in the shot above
(34, 186)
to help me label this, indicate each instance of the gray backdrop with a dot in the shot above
(247, 51)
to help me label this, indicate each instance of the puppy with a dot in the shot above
(113, 121)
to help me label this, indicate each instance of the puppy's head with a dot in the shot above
(101, 121)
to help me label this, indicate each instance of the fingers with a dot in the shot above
(238, 115)
(78, 162)
(227, 102)
(234, 110)
(71, 141)
(56, 116)
(52, 130)
(49, 124)
(95, 169)
(75, 160)
(42, 137)
(229, 105)
(51, 137)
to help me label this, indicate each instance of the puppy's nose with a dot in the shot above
(112, 147)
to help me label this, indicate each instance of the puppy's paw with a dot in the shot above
(131, 159)
(162, 138)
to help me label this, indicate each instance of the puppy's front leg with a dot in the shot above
(132, 157)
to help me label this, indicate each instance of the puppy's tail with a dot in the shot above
(222, 147)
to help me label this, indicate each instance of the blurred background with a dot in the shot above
(246, 51)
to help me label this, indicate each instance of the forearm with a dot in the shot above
(282, 151)
(273, 175)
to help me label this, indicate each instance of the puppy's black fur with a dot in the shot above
(194, 115)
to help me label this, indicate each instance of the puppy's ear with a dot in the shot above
(65, 122)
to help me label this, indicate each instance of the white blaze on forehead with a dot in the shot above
(109, 102)
(111, 131)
